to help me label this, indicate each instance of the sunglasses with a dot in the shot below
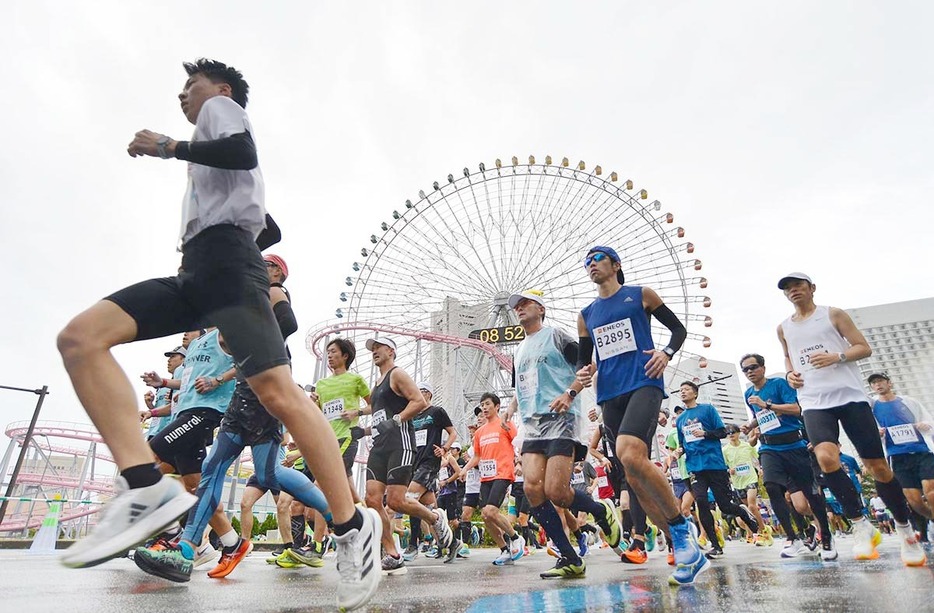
(596, 257)
(751, 368)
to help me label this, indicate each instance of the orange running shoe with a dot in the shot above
(634, 556)
(671, 558)
(230, 557)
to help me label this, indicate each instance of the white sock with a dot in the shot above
(230, 539)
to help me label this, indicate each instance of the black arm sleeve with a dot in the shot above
(286, 318)
(584, 351)
(713, 435)
(270, 235)
(235, 152)
(570, 352)
(671, 321)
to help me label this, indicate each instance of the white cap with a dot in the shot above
(529, 294)
(426, 387)
(383, 340)
(793, 276)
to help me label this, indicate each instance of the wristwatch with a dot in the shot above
(669, 352)
(571, 393)
(160, 147)
(396, 418)
(219, 380)
(842, 357)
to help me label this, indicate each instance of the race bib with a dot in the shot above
(186, 379)
(693, 432)
(333, 409)
(614, 339)
(676, 472)
(602, 481)
(744, 470)
(473, 478)
(902, 434)
(378, 418)
(421, 438)
(768, 420)
(577, 478)
(443, 474)
(527, 383)
(487, 469)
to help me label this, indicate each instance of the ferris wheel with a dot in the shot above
(438, 274)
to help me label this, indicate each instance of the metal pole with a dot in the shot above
(22, 452)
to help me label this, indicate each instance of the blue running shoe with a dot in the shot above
(582, 544)
(689, 559)
(651, 536)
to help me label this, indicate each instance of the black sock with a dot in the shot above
(354, 523)
(636, 544)
(143, 475)
(583, 502)
(547, 516)
(845, 492)
(465, 531)
(894, 498)
(416, 530)
(298, 530)
(627, 521)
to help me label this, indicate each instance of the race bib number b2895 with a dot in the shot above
(614, 339)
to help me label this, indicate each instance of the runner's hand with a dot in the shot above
(314, 397)
(656, 365)
(585, 375)
(439, 451)
(822, 360)
(149, 398)
(757, 401)
(204, 385)
(795, 380)
(560, 404)
(151, 379)
(144, 415)
(145, 143)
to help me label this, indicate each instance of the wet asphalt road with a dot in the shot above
(747, 579)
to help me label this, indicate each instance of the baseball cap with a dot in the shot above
(456, 445)
(876, 376)
(793, 276)
(530, 294)
(180, 350)
(679, 409)
(425, 387)
(278, 261)
(613, 256)
(383, 340)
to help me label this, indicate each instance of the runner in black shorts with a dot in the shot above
(448, 480)
(222, 282)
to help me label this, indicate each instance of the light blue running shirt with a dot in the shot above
(205, 359)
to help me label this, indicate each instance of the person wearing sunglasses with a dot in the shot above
(631, 389)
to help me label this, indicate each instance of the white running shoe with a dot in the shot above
(912, 553)
(504, 559)
(131, 517)
(443, 529)
(828, 551)
(206, 553)
(358, 562)
(792, 549)
(517, 548)
(865, 540)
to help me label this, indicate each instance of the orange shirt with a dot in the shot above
(494, 446)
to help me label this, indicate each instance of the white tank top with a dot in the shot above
(828, 387)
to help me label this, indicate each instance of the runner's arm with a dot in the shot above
(283, 312)
(402, 384)
(660, 311)
(234, 152)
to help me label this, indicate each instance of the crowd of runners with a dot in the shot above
(541, 473)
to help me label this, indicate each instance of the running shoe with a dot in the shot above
(689, 559)
(703, 542)
(828, 551)
(445, 536)
(206, 553)
(792, 548)
(309, 556)
(912, 553)
(504, 559)
(810, 538)
(453, 550)
(866, 538)
(565, 569)
(464, 552)
(714, 553)
(285, 560)
(651, 534)
(230, 558)
(552, 550)
(634, 555)
(766, 539)
(275, 555)
(517, 547)
(393, 566)
(128, 519)
(610, 525)
(160, 543)
(166, 563)
(671, 558)
(410, 553)
(720, 540)
(357, 552)
(582, 544)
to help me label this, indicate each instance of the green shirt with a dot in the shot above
(671, 442)
(340, 393)
(743, 458)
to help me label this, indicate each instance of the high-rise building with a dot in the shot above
(901, 335)
(719, 384)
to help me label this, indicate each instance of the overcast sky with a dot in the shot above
(783, 136)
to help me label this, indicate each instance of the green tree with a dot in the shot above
(268, 524)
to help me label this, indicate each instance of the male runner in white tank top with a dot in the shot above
(821, 346)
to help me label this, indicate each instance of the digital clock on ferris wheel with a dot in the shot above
(499, 336)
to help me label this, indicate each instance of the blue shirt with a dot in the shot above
(703, 454)
(852, 469)
(621, 330)
(205, 359)
(897, 413)
(777, 391)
